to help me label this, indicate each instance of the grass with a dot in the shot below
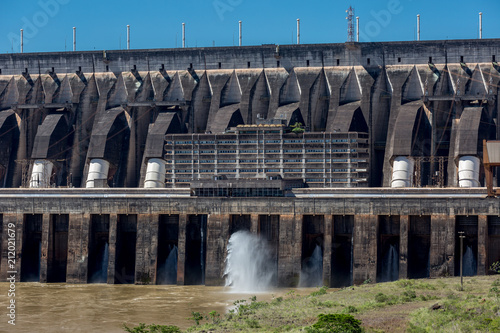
(427, 305)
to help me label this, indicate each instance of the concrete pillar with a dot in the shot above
(78, 248)
(47, 240)
(146, 251)
(404, 233)
(254, 226)
(365, 248)
(442, 257)
(290, 250)
(181, 249)
(217, 237)
(327, 252)
(17, 220)
(482, 241)
(113, 229)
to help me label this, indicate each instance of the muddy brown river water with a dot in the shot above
(105, 308)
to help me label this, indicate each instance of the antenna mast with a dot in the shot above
(350, 24)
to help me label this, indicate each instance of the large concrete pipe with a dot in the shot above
(402, 171)
(155, 173)
(98, 170)
(468, 171)
(40, 176)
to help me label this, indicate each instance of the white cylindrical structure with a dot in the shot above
(418, 27)
(298, 31)
(357, 29)
(128, 37)
(183, 35)
(480, 25)
(41, 173)
(155, 173)
(74, 39)
(241, 32)
(402, 171)
(468, 171)
(22, 40)
(98, 170)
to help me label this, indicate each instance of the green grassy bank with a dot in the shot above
(427, 305)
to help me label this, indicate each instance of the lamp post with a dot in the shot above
(461, 236)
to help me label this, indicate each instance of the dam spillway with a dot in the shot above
(122, 156)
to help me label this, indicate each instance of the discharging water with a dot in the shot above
(87, 308)
(312, 270)
(390, 268)
(101, 276)
(249, 264)
(470, 263)
(167, 272)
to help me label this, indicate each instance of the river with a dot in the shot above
(105, 308)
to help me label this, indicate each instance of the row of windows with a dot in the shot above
(273, 170)
(271, 161)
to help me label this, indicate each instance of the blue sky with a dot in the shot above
(157, 23)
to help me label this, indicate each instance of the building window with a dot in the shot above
(367, 61)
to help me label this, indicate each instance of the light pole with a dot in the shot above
(461, 236)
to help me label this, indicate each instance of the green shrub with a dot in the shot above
(381, 298)
(142, 328)
(252, 323)
(327, 304)
(408, 295)
(350, 309)
(196, 316)
(404, 283)
(336, 323)
(321, 291)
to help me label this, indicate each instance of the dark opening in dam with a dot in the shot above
(58, 248)
(388, 249)
(238, 223)
(168, 242)
(1, 238)
(32, 248)
(419, 245)
(468, 225)
(493, 242)
(126, 236)
(269, 231)
(98, 249)
(196, 249)
(313, 230)
(342, 250)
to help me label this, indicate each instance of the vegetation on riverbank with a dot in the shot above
(427, 305)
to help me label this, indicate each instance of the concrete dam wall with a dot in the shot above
(114, 162)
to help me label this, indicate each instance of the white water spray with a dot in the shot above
(250, 266)
(101, 276)
(390, 269)
(168, 270)
(470, 263)
(311, 274)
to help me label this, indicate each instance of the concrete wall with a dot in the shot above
(111, 101)
(442, 208)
